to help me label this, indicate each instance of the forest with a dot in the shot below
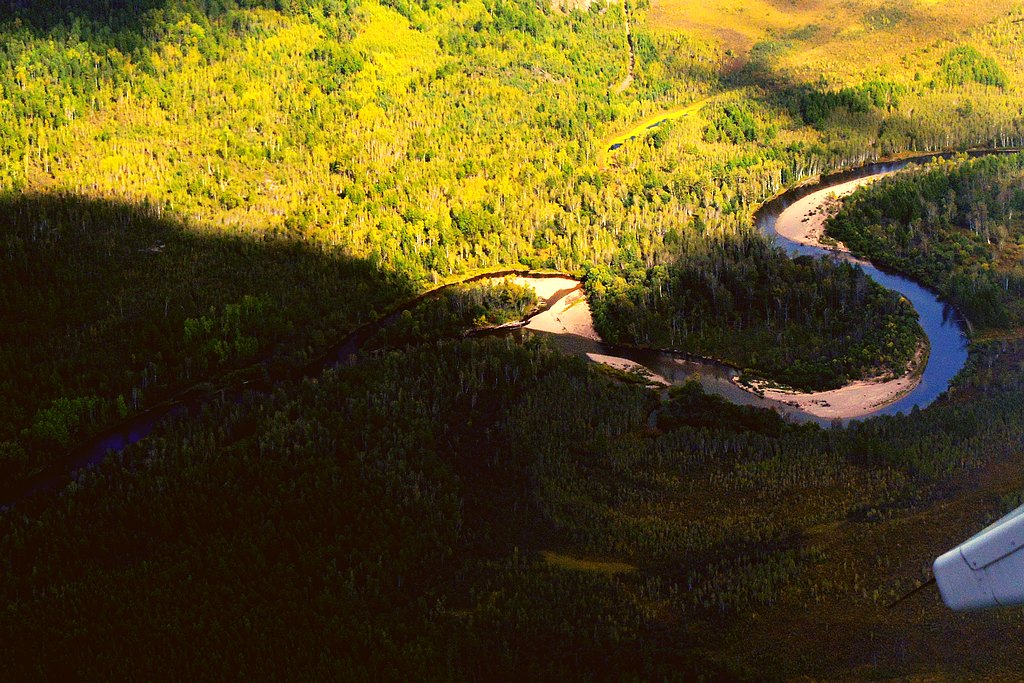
(807, 323)
(201, 195)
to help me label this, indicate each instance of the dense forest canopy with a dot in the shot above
(804, 322)
(199, 194)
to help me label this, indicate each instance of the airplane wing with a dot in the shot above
(986, 570)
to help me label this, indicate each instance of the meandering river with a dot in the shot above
(565, 317)
(940, 322)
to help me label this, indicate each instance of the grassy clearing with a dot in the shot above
(578, 564)
(814, 39)
(648, 125)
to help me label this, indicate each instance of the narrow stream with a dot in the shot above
(117, 437)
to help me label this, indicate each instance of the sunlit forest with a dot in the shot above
(273, 241)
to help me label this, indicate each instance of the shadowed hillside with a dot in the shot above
(109, 308)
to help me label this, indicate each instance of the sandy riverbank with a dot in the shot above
(570, 315)
(627, 365)
(853, 400)
(803, 221)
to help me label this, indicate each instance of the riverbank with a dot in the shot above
(856, 399)
(569, 315)
(803, 221)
